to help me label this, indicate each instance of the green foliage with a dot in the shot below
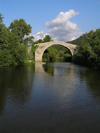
(50, 54)
(97, 50)
(1, 19)
(5, 57)
(12, 48)
(61, 49)
(33, 48)
(67, 57)
(13, 53)
(56, 53)
(89, 49)
(47, 38)
(31, 54)
(20, 54)
(20, 27)
(28, 40)
(39, 41)
(84, 54)
(3, 37)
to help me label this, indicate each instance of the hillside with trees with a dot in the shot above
(89, 49)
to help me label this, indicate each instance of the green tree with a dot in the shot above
(21, 29)
(39, 41)
(29, 40)
(50, 54)
(3, 34)
(47, 38)
(12, 51)
(1, 19)
(3, 37)
(97, 50)
(5, 56)
(18, 50)
(31, 54)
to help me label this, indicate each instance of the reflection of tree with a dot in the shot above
(3, 88)
(2, 99)
(22, 83)
(92, 78)
(49, 69)
(59, 69)
(17, 83)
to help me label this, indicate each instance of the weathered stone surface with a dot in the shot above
(43, 46)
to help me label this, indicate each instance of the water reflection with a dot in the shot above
(92, 78)
(57, 78)
(15, 84)
(88, 76)
(55, 69)
(54, 97)
(48, 69)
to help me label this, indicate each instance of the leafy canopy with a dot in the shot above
(20, 28)
(12, 50)
(47, 38)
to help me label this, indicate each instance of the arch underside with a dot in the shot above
(43, 46)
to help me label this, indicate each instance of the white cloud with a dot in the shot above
(39, 35)
(61, 19)
(61, 28)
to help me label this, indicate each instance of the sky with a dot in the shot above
(63, 20)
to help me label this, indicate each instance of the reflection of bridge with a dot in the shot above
(43, 46)
(39, 67)
(69, 71)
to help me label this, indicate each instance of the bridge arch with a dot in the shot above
(43, 46)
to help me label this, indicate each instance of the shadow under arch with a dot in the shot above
(57, 53)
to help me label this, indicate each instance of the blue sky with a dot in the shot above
(63, 20)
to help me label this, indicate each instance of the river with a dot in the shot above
(49, 98)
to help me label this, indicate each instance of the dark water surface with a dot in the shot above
(52, 98)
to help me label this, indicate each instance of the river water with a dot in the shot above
(49, 98)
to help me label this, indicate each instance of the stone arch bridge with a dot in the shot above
(43, 46)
